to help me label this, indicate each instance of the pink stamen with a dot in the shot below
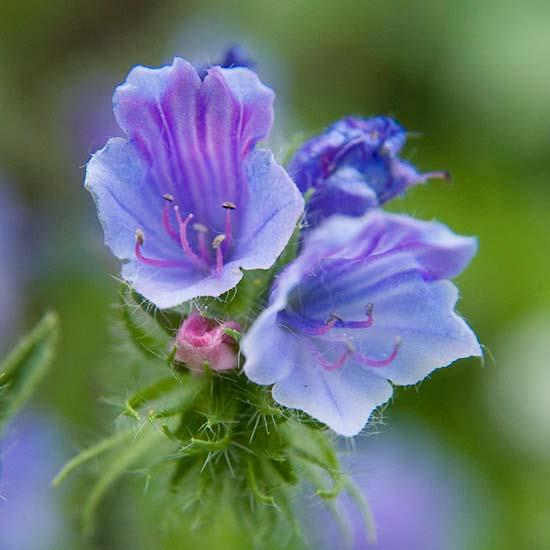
(360, 324)
(228, 230)
(319, 331)
(167, 224)
(219, 262)
(217, 246)
(336, 321)
(201, 238)
(183, 238)
(379, 362)
(327, 365)
(140, 239)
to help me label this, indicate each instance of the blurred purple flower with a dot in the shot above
(86, 120)
(11, 272)
(353, 166)
(421, 497)
(365, 304)
(31, 515)
(187, 200)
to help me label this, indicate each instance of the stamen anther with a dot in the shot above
(217, 241)
(200, 228)
(167, 197)
(228, 205)
(369, 309)
(140, 237)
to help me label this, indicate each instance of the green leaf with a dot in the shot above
(26, 365)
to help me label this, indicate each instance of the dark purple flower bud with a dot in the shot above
(353, 166)
(235, 56)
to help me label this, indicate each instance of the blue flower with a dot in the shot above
(187, 200)
(366, 303)
(354, 166)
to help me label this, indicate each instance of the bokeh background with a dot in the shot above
(460, 461)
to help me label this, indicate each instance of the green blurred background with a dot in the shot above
(471, 77)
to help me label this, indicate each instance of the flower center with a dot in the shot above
(315, 329)
(201, 255)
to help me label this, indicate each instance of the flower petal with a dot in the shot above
(173, 286)
(194, 136)
(343, 399)
(271, 351)
(125, 196)
(436, 249)
(274, 207)
(422, 316)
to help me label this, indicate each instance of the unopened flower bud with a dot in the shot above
(201, 340)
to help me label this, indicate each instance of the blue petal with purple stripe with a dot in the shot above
(187, 200)
(367, 303)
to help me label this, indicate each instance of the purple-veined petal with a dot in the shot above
(274, 207)
(170, 287)
(422, 316)
(271, 350)
(190, 152)
(125, 195)
(366, 302)
(343, 399)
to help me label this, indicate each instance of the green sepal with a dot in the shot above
(26, 366)
(151, 392)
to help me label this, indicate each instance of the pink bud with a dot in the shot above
(201, 340)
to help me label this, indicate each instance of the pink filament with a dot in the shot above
(203, 248)
(219, 261)
(319, 331)
(202, 259)
(327, 365)
(183, 238)
(378, 362)
(153, 262)
(166, 223)
(228, 230)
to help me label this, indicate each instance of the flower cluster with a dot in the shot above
(188, 201)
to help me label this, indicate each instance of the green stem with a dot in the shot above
(364, 508)
(262, 497)
(90, 453)
(113, 471)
